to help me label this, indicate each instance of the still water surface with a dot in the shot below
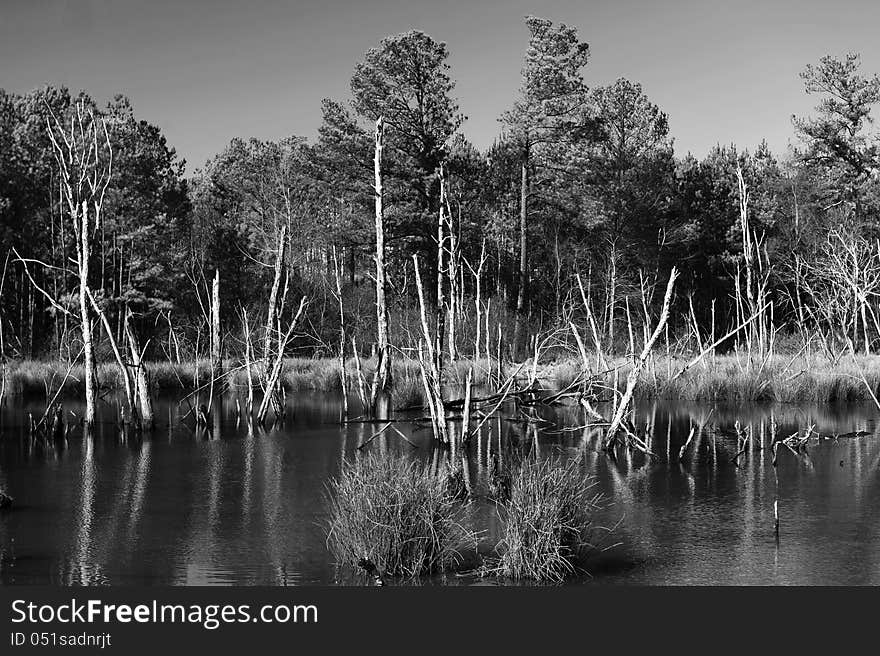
(182, 507)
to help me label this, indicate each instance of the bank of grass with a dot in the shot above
(394, 513)
(728, 378)
(33, 378)
(549, 521)
(780, 379)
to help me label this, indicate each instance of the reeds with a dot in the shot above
(395, 514)
(725, 378)
(549, 521)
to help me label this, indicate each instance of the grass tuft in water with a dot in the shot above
(394, 513)
(549, 521)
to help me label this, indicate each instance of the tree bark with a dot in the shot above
(382, 379)
(273, 296)
(83, 254)
(522, 278)
(440, 308)
(142, 390)
(248, 356)
(216, 352)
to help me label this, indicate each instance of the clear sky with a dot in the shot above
(209, 70)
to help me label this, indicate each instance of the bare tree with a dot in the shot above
(216, 352)
(752, 300)
(382, 379)
(85, 158)
(145, 405)
(273, 294)
(841, 282)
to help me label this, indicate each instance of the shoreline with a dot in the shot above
(725, 378)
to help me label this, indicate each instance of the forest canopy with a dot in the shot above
(581, 196)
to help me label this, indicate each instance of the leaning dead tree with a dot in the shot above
(382, 378)
(85, 158)
(273, 395)
(428, 365)
(141, 388)
(633, 376)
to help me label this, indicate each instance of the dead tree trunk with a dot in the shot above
(248, 357)
(273, 295)
(452, 273)
(522, 277)
(382, 379)
(216, 352)
(633, 376)
(123, 370)
(612, 295)
(343, 377)
(273, 383)
(91, 371)
(478, 276)
(428, 366)
(84, 159)
(145, 404)
(440, 320)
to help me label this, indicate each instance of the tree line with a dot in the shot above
(580, 202)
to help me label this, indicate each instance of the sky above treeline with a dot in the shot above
(209, 70)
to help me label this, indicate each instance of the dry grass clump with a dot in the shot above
(549, 521)
(408, 391)
(311, 373)
(394, 513)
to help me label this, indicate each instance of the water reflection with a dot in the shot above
(242, 505)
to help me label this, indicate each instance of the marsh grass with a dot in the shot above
(723, 378)
(549, 521)
(781, 379)
(739, 380)
(407, 391)
(393, 512)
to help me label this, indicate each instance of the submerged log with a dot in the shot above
(5, 501)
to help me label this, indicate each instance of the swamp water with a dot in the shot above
(182, 507)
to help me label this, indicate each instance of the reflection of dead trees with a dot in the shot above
(796, 443)
(51, 426)
(6, 501)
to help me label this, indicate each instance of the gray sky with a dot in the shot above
(207, 71)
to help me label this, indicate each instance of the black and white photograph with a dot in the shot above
(508, 294)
